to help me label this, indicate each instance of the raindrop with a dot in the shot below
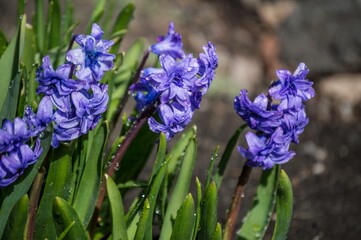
(116, 168)
(41, 135)
(258, 235)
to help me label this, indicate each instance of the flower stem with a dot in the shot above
(71, 42)
(131, 134)
(133, 81)
(236, 202)
(34, 200)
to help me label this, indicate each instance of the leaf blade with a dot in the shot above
(183, 225)
(64, 215)
(57, 185)
(181, 189)
(119, 230)
(284, 205)
(258, 217)
(87, 193)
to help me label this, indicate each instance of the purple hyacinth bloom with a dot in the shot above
(178, 86)
(13, 134)
(292, 89)
(39, 121)
(266, 151)
(173, 118)
(256, 113)
(56, 81)
(66, 128)
(143, 93)
(78, 113)
(176, 73)
(92, 58)
(276, 125)
(208, 62)
(170, 44)
(294, 123)
(89, 107)
(13, 163)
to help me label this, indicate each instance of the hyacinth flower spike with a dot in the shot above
(277, 119)
(92, 58)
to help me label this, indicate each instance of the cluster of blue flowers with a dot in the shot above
(16, 139)
(178, 86)
(278, 118)
(74, 88)
(73, 100)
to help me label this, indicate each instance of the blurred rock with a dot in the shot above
(340, 97)
(325, 34)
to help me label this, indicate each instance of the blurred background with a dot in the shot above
(253, 39)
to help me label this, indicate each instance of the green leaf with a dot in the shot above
(211, 166)
(10, 106)
(78, 158)
(68, 15)
(181, 188)
(66, 230)
(21, 7)
(3, 43)
(198, 209)
(284, 205)
(96, 14)
(9, 61)
(226, 155)
(53, 25)
(161, 153)
(86, 196)
(183, 225)
(20, 187)
(133, 184)
(57, 183)
(16, 224)
(143, 221)
(257, 219)
(64, 215)
(136, 157)
(119, 229)
(178, 149)
(121, 23)
(151, 195)
(217, 234)
(209, 213)
(39, 24)
(28, 56)
(123, 75)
